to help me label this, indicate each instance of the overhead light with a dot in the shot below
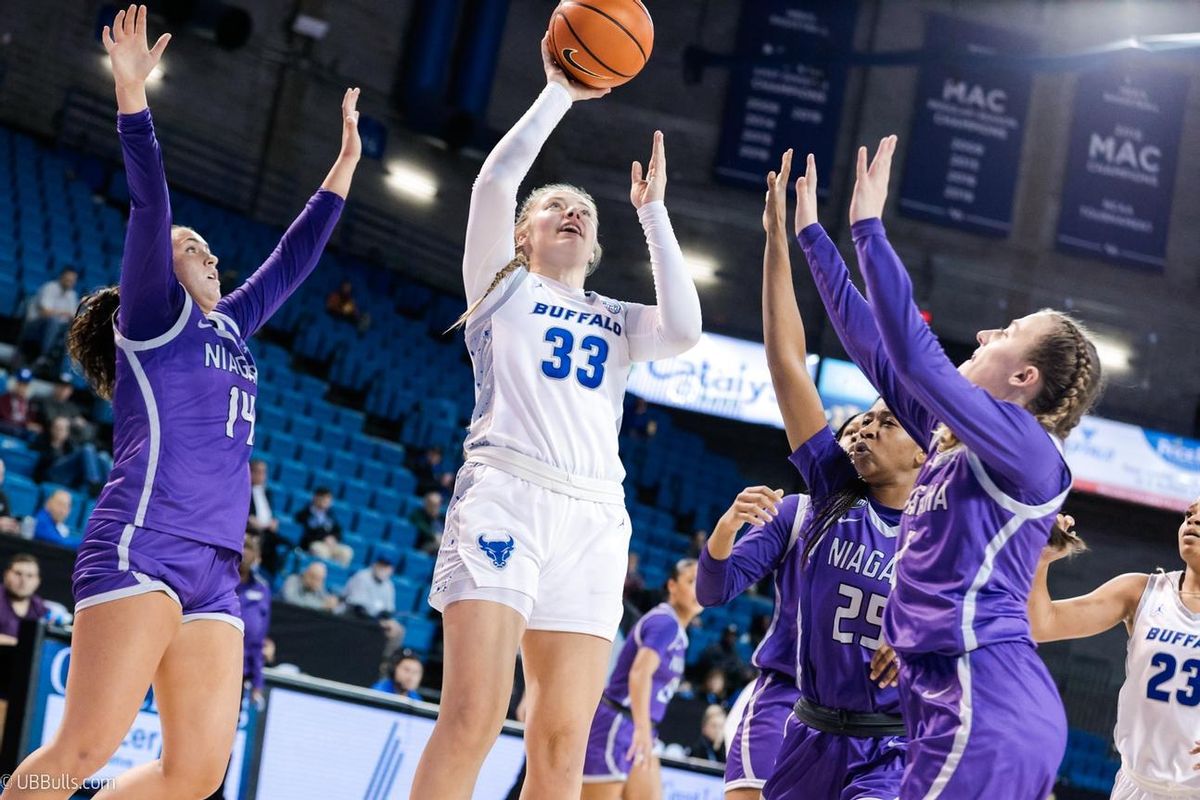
(312, 27)
(153, 79)
(703, 268)
(1116, 356)
(409, 180)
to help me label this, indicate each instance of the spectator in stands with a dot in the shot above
(340, 304)
(307, 589)
(8, 523)
(322, 532)
(50, 524)
(711, 744)
(370, 593)
(431, 473)
(262, 521)
(62, 461)
(47, 317)
(429, 520)
(723, 655)
(59, 404)
(22, 577)
(254, 599)
(697, 545)
(715, 688)
(405, 674)
(15, 416)
(637, 422)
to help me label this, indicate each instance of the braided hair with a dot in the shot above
(833, 506)
(1072, 379)
(521, 259)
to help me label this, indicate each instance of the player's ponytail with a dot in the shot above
(521, 259)
(90, 339)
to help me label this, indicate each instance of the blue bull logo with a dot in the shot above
(497, 550)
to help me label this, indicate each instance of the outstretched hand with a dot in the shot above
(775, 208)
(131, 57)
(555, 74)
(871, 184)
(806, 195)
(351, 143)
(756, 505)
(1063, 540)
(653, 187)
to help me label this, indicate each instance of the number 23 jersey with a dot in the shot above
(551, 364)
(1158, 714)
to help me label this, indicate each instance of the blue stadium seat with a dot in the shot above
(19, 461)
(402, 533)
(408, 594)
(389, 503)
(22, 495)
(371, 525)
(402, 481)
(418, 633)
(374, 473)
(418, 567)
(359, 545)
(313, 455)
(303, 428)
(356, 493)
(364, 447)
(327, 479)
(290, 531)
(343, 463)
(292, 474)
(382, 549)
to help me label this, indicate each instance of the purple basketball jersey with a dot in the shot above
(658, 629)
(842, 590)
(968, 557)
(186, 384)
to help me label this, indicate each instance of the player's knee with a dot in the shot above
(559, 745)
(80, 758)
(195, 778)
(474, 720)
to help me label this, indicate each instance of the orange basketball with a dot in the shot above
(601, 43)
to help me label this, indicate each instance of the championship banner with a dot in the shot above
(787, 87)
(1124, 145)
(964, 152)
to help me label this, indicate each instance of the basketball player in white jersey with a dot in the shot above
(1158, 712)
(537, 536)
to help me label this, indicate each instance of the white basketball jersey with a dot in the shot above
(551, 364)
(1158, 714)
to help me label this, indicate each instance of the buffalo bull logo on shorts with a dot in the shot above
(498, 550)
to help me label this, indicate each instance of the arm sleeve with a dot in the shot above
(294, 258)
(151, 296)
(1007, 438)
(657, 632)
(489, 241)
(852, 319)
(823, 465)
(754, 556)
(672, 326)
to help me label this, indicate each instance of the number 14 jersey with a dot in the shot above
(1158, 714)
(551, 364)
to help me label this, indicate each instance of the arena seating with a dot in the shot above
(341, 407)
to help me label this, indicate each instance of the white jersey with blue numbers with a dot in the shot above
(551, 364)
(1158, 714)
(551, 361)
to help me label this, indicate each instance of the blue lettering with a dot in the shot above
(540, 308)
(1152, 634)
(556, 311)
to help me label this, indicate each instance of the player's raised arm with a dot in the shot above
(1087, 615)
(673, 325)
(725, 568)
(151, 296)
(489, 242)
(297, 254)
(848, 310)
(783, 327)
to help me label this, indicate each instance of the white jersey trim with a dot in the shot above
(139, 518)
(959, 746)
(802, 508)
(596, 490)
(228, 320)
(130, 345)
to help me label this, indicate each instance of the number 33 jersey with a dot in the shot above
(551, 364)
(183, 429)
(1158, 714)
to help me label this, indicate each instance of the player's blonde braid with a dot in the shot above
(1070, 387)
(1071, 379)
(521, 259)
